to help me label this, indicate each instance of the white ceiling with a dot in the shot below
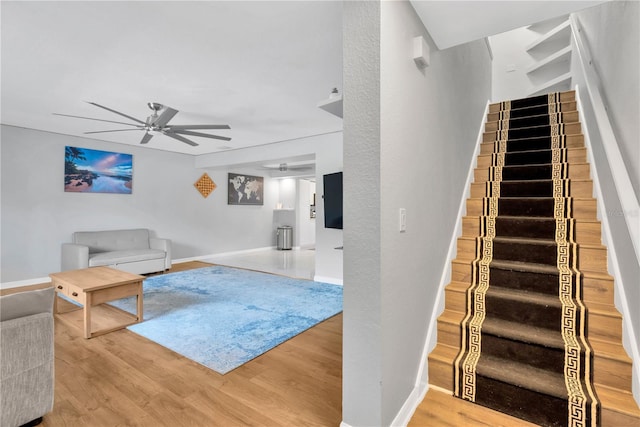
(455, 22)
(260, 67)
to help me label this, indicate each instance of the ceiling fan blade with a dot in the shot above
(200, 127)
(180, 138)
(166, 115)
(91, 118)
(115, 130)
(205, 135)
(146, 138)
(117, 112)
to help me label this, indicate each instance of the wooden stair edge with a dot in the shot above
(618, 401)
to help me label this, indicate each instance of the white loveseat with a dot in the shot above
(128, 250)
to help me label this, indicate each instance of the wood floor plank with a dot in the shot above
(124, 379)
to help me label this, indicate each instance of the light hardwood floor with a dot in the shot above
(123, 379)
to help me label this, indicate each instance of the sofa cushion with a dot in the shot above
(113, 240)
(121, 257)
(26, 303)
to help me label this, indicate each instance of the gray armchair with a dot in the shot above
(26, 357)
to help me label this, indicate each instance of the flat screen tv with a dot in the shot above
(333, 200)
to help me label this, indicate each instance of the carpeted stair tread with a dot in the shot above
(527, 172)
(523, 376)
(535, 251)
(526, 206)
(525, 227)
(536, 110)
(524, 266)
(520, 158)
(523, 333)
(527, 188)
(534, 298)
(518, 275)
(526, 121)
(532, 131)
(530, 308)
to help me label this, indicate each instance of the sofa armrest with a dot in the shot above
(164, 245)
(27, 374)
(74, 257)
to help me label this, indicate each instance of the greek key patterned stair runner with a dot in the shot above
(524, 348)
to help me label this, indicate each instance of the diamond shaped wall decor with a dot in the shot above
(205, 185)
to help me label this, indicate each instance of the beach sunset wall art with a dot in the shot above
(95, 171)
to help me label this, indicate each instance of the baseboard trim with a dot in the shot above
(410, 405)
(222, 254)
(326, 279)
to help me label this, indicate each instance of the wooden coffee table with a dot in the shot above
(93, 287)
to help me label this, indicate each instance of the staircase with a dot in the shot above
(529, 327)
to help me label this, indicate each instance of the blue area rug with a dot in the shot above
(223, 317)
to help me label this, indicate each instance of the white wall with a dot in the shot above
(616, 24)
(612, 34)
(37, 215)
(409, 138)
(306, 224)
(510, 61)
(327, 150)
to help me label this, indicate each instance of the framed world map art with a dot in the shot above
(245, 189)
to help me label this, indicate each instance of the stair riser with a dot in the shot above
(549, 359)
(577, 189)
(612, 373)
(591, 258)
(611, 417)
(584, 208)
(527, 121)
(513, 134)
(525, 281)
(604, 327)
(548, 317)
(441, 374)
(526, 228)
(537, 254)
(595, 290)
(576, 172)
(586, 232)
(512, 400)
(565, 107)
(574, 156)
(567, 96)
(449, 333)
(455, 300)
(571, 141)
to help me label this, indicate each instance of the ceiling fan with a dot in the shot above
(157, 124)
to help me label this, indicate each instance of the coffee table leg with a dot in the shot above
(87, 316)
(139, 298)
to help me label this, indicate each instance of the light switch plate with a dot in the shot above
(403, 220)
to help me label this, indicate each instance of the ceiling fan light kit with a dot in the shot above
(156, 124)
